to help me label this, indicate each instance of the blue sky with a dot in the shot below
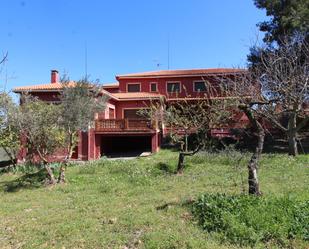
(122, 36)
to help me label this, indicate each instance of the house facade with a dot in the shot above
(119, 128)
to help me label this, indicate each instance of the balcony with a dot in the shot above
(120, 125)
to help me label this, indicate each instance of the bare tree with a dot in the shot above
(190, 117)
(283, 75)
(4, 58)
(246, 97)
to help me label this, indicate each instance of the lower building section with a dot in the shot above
(124, 145)
(118, 144)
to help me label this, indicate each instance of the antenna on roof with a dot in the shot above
(168, 52)
(86, 61)
(157, 62)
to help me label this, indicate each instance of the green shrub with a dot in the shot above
(247, 220)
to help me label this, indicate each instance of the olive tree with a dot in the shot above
(9, 136)
(79, 101)
(41, 136)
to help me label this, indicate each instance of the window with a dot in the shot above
(134, 88)
(111, 113)
(173, 87)
(200, 86)
(153, 87)
(132, 114)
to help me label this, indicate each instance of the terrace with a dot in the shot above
(121, 125)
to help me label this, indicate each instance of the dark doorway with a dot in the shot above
(125, 146)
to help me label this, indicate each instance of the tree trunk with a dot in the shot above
(13, 160)
(253, 182)
(292, 134)
(61, 178)
(293, 151)
(181, 164)
(50, 173)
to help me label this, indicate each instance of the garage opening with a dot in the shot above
(125, 146)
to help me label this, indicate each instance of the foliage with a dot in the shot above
(9, 135)
(247, 220)
(79, 103)
(186, 118)
(287, 18)
(38, 124)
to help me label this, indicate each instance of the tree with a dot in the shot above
(245, 93)
(283, 75)
(186, 117)
(287, 18)
(41, 136)
(9, 136)
(4, 58)
(79, 103)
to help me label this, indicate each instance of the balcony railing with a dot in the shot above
(123, 125)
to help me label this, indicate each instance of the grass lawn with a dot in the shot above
(134, 203)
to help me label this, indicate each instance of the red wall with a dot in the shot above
(112, 89)
(185, 82)
(121, 105)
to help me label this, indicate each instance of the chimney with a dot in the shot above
(54, 78)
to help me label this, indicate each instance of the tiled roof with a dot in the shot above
(137, 95)
(42, 87)
(183, 72)
(112, 85)
(51, 87)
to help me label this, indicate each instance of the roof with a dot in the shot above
(51, 87)
(183, 73)
(42, 87)
(112, 85)
(137, 95)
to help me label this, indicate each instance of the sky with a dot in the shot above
(122, 36)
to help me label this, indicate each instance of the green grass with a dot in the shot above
(135, 203)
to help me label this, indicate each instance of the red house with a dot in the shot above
(120, 128)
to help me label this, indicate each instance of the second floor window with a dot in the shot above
(134, 88)
(199, 86)
(153, 87)
(173, 87)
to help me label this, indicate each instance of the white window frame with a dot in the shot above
(136, 83)
(198, 81)
(132, 108)
(153, 83)
(180, 86)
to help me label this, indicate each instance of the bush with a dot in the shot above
(248, 220)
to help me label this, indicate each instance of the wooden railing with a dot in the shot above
(123, 125)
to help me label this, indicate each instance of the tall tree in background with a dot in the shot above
(287, 17)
